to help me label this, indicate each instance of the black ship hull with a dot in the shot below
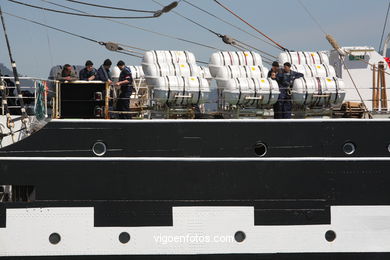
(305, 198)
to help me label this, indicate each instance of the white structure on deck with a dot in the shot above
(242, 79)
(175, 78)
(358, 61)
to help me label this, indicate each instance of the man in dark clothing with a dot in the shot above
(10, 85)
(275, 70)
(126, 84)
(67, 73)
(103, 72)
(89, 72)
(285, 79)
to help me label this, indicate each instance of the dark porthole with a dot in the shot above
(99, 149)
(54, 238)
(124, 237)
(330, 236)
(261, 149)
(239, 236)
(349, 148)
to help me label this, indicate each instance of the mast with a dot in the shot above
(24, 116)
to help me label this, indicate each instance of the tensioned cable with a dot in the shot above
(263, 52)
(51, 27)
(244, 47)
(63, 6)
(24, 115)
(111, 7)
(133, 47)
(48, 39)
(233, 43)
(69, 33)
(141, 28)
(192, 21)
(254, 28)
(336, 47)
(312, 17)
(384, 27)
(228, 23)
(78, 14)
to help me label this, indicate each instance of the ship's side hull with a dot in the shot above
(173, 205)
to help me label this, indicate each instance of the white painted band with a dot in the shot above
(358, 229)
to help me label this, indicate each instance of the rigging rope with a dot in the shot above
(24, 116)
(225, 38)
(384, 27)
(48, 39)
(337, 47)
(84, 15)
(228, 23)
(254, 28)
(312, 17)
(120, 50)
(111, 7)
(141, 28)
(192, 21)
(251, 47)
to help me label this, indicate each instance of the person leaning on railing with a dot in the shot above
(89, 72)
(67, 74)
(104, 73)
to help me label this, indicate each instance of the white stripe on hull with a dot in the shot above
(358, 229)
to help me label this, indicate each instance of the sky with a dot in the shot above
(37, 49)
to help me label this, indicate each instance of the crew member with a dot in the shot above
(67, 74)
(89, 72)
(275, 68)
(285, 79)
(103, 72)
(126, 86)
(10, 88)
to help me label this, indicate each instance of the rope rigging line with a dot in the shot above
(192, 21)
(118, 49)
(111, 7)
(228, 23)
(132, 47)
(337, 47)
(63, 6)
(51, 27)
(141, 28)
(384, 27)
(48, 39)
(23, 111)
(254, 28)
(84, 15)
(225, 38)
(251, 47)
(312, 17)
